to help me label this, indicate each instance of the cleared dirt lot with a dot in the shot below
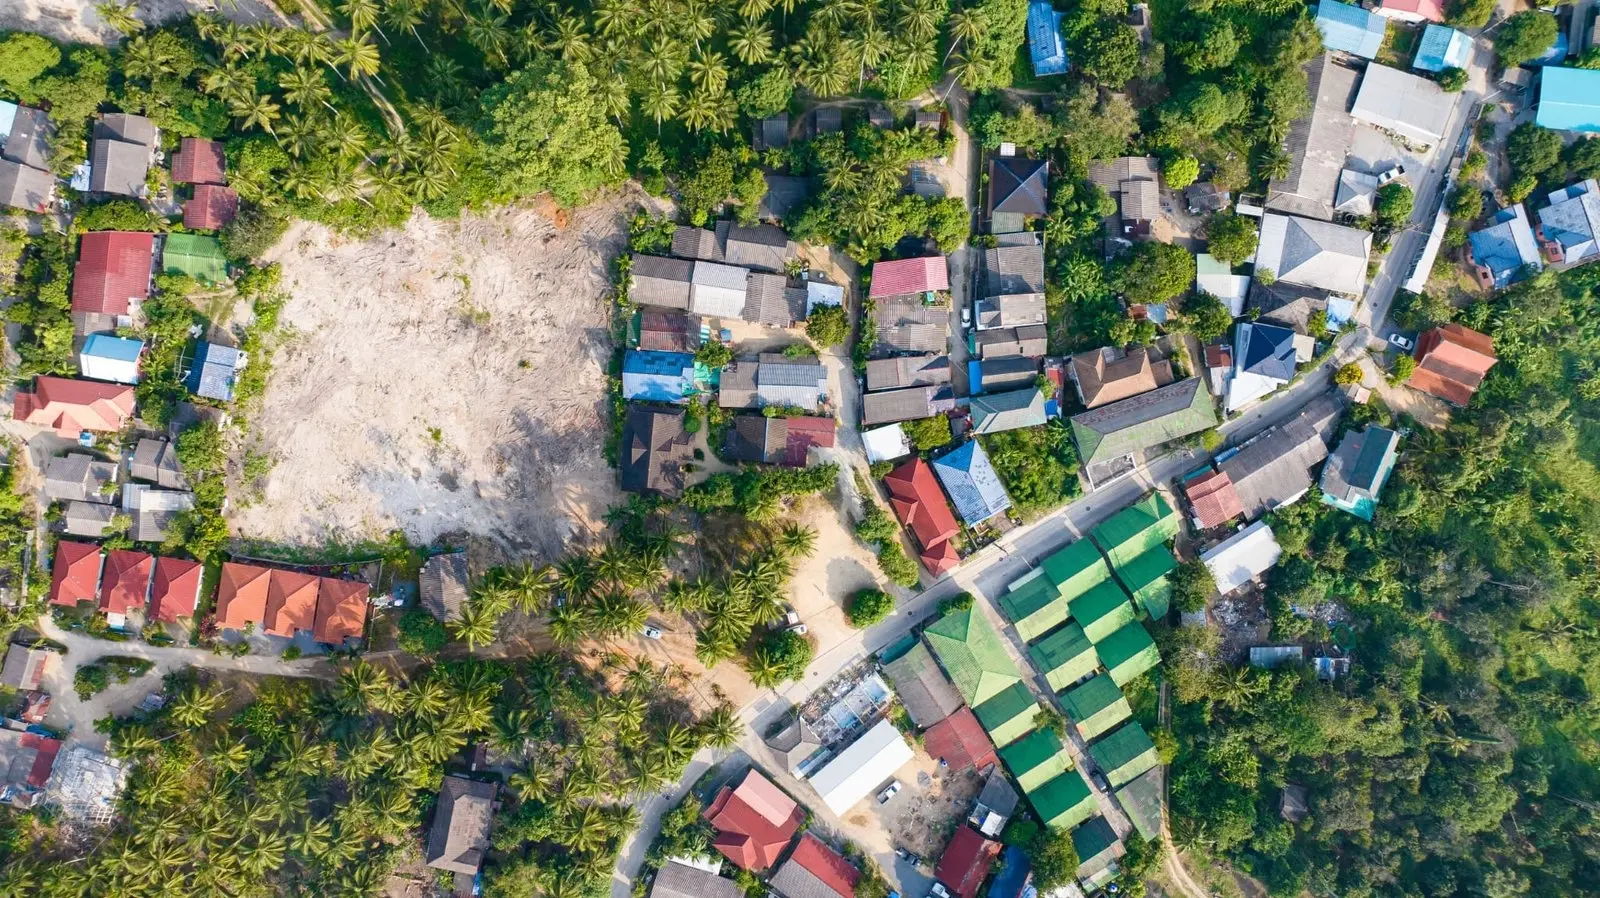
(445, 378)
(75, 21)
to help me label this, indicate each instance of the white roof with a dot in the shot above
(865, 765)
(98, 367)
(718, 290)
(1246, 387)
(1416, 108)
(886, 443)
(1242, 557)
(820, 293)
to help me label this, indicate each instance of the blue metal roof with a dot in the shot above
(972, 483)
(1266, 349)
(1556, 55)
(1045, 46)
(212, 375)
(650, 361)
(105, 346)
(1569, 99)
(1015, 877)
(1505, 246)
(1442, 48)
(1350, 28)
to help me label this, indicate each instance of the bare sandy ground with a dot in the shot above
(445, 378)
(75, 21)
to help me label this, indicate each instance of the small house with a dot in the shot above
(1242, 558)
(445, 585)
(214, 372)
(73, 407)
(123, 148)
(972, 483)
(1414, 107)
(1441, 48)
(1569, 224)
(1452, 362)
(655, 447)
(112, 274)
(1502, 252)
(1350, 29)
(1355, 473)
(458, 840)
(105, 357)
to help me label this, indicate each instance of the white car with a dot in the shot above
(889, 792)
(1401, 342)
(966, 316)
(1387, 176)
(651, 631)
(799, 629)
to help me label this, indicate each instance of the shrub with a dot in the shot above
(1191, 584)
(899, 568)
(1451, 80)
(1403, 366)
(1210, 439)
(961, 601)
(868, 606)
(420, 633)
(714, 355)
(928, 433)
(1347, 374)
(876, 526)
(881, 469)
(828, 326)
(1466, 203)
(1181, 172)
(90, 680)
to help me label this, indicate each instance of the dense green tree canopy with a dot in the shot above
(1526, 35)
(544, 130)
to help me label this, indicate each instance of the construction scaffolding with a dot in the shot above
(86, 784)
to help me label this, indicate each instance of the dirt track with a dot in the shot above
(445, 378)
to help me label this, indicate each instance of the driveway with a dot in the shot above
(75, 716)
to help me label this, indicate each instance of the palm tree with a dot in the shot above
(311, 839)
(918, 22)
(363, 15)
(660, 102)
(531, 585)
(259, 111)
(406, 15)
(963, 27)
(430, 184)
(478, 625)
(120, 16)
(751, 42)
(568, 625)
(571, 40)
(709, 72)
(584, 830)
(722, 727)
(194, 707)
(358, 55)
(797, 540)
(358, 685)
(489, 34)
(147, 59)
(615, 17)
(696, 19)
(427, 697)
(304, 87)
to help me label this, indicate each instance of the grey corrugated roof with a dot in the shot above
(1275, 467)
(462, 819)
(764, 247)
(784, 193)
(1285, 304)
(659, 281)
(696, 243)
(1009, 341)
(768, 301)
(1012, 371)
(1317, 143)
(118, 167)
(127, 128)
(906, 325)
(87, 518)
(737, 386)
(29, 140)
(996, 412)
(1011, 310)
(22, 187)
(781, 371)
(1018, 185)
(1013, 269)
(908, 404)
(1356, 192)
(908, 371)
(157, 462)
(77, 476)
(928, 695)
(675, 880)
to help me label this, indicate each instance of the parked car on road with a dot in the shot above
(1402, 342)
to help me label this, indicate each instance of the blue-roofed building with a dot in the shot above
(657, 376)
(214, 371)
(1504, 249)
(1569, 100)
(1015, 879)
(105, 357)
(1264, 358)
(1350, 29)
(1442, 48)
(1045, 45)
(972, 483)
(1556, 55)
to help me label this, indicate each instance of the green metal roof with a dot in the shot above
(1128, 653)
(1093, 839)
(1143, 422)
(1009, 714)
(1064, 657)
(1146, 580)
(1035, 759)
(1125, 754)
(197, 256)
(1076, 568)
(972, 655)
(1034, 606)
(1102, 610)
(1141, 799)
(1136, 529)
(1096, 706)
(1063, 802)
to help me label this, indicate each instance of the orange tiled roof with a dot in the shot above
(72, 406)
(126, 583)
(242, 595)
(291, 602)
(341, 610)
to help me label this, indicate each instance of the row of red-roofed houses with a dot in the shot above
(123, 583)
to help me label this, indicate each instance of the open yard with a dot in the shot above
(444, 379)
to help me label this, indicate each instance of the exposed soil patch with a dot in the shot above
(446, 378)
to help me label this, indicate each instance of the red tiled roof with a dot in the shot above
(940, 558)
(1219, 356)
(76, 577)
(175, 589)
(341, 610)
(959, 741)
(904, 276)
(1431, 10)
(126, 582)
(45, 759)
(805, 432)
(113, 267)
(966, 861)
(1452, 362)
(919, 503)
(291, 602)
(754, 822)
(199, 161)
(211, 209)
(242, 595)
(826, 865)
(1214, 498)
(71, 406)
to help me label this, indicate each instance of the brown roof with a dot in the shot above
(662, 331)
(1106, 375)
(1451, 362)
(443, 586)
(199, 161)
(960, 742)
(212, 208)
(25, 667)
(459, 836)
(1214, 499)
(654, 449)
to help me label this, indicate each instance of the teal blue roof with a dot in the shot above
(105, 346)
(1350, 28)
(1569, 100)
(1442, 48)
